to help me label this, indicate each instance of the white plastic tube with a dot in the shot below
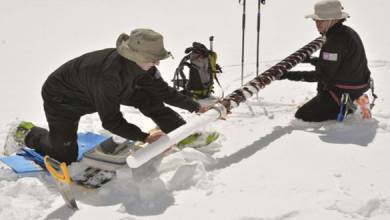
(143, 155)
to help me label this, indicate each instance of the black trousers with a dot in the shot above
(60, 141)
(320, 108)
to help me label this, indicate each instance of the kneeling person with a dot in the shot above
(101, 81)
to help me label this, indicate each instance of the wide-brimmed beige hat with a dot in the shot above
(142, 46)
(328, 10)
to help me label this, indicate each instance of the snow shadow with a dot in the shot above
(356, 132)
(61, 213)
(250, 150)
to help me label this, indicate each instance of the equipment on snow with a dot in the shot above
(115, 158)
(102, 161)
(203, 69)
(60, 174)
(220, 109)
(93, 178)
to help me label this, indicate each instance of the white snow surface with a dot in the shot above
(266, 165)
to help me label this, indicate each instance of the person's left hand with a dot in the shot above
(154, 136)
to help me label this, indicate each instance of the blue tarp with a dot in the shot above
(28, 161)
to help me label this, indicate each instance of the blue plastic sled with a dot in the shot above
(29, 161)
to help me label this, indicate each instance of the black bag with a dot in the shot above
(203, 68)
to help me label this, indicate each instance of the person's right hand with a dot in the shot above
(154, 137)
(312, 60)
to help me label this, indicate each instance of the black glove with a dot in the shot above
(312, 60)
(284, 76)
(307, 76)
(294, 75)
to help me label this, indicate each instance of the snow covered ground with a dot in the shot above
(266, 165)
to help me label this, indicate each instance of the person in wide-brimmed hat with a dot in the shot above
(327, 13)
(142, 46)
(341, 70)
(101, 81)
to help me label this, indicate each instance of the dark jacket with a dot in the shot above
(101, 81)
(342, 60)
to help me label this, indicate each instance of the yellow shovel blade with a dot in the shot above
(62, 180)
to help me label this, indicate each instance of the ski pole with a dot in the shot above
(259, 2)
(258, 34)
(243, 41)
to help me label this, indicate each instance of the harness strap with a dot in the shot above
(177, 82)
(334, 97)
(352, 87)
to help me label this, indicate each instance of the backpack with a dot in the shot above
(203, 69)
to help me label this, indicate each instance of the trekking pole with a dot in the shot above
(258, 34)
(243, 41)
(259, 2)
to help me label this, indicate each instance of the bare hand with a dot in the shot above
(154, 137)
(203, 109)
